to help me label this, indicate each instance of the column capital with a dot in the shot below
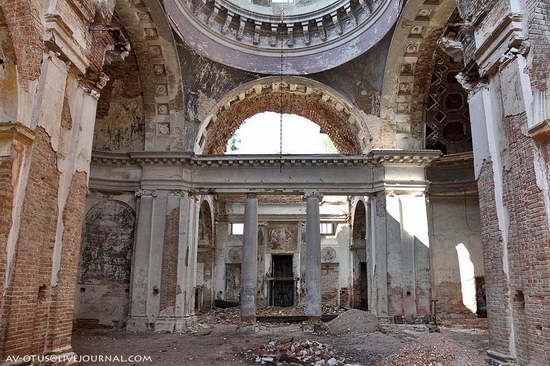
(145, 192)
(312, 193)
(251, 195)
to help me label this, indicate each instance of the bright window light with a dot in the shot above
(237, 229)
(260, 134)
(327, 228)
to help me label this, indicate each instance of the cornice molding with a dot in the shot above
(372, 159)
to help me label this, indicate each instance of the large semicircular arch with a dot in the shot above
(336, 116)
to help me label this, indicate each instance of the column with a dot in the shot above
(313, 256)
(249, 263)
(147, 261)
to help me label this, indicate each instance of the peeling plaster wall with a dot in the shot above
(455, 221)
(120, 119)
(102, 295)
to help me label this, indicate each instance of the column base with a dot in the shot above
(313, 324)
(139, 324)
(248, 324)
(167, 324)
(503, 359)
(185, 323)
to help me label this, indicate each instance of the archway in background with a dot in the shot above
(205, 259)
(359, 254)
(338, 118)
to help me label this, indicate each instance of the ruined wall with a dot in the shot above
(102, 295)
(120, 119)
(456, 254)
(512, 172)
(50, 78)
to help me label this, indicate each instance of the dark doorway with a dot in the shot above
(364, 297)
(282, 281)
(481, 299)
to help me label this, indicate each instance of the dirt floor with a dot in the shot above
(217, 342)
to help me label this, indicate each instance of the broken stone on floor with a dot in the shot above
(303, 352)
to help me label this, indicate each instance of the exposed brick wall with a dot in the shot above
(6, 47)
(26, 35)
(6, 206)
(168, 281)
(496, 283)
(539, 38)
(529, 246)
(449, 297)
(63, 294)
(26, 303)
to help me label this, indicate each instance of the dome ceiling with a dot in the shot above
(315, 35)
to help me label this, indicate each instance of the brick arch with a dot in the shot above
(408, 70)
(152, 41)
(332, 112)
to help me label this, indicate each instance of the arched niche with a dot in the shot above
(205, 257)
(103, 279)
(360, 282)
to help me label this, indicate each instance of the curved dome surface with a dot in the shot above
(313, 35)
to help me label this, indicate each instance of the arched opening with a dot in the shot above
(337, 118)
(205, 259)
(271, 133)
(359, 255)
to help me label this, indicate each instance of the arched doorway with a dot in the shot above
(359, 291)
(205, 259)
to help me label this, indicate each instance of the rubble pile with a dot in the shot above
(296, 353)
(220, 316)
(353, 321)
(294, 310)
(434, 349)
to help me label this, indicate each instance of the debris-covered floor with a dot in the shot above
(215, 341)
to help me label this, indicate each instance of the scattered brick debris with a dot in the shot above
(431, 350)
(291, 353)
